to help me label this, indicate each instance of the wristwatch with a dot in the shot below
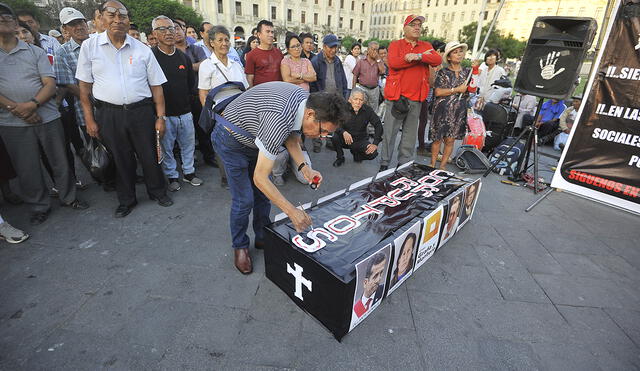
(302, 165)
(163, 117)
(34, 100)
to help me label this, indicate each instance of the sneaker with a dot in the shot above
(278, 181)
(174, 185)
(163, 200)
(81, 186)
(11, 234)
(192, 179)
(53, 192)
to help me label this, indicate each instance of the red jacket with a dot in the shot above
(410, 79)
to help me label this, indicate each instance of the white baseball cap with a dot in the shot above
(55, 33)
(70, 14)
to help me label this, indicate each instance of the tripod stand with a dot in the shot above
(531, 133)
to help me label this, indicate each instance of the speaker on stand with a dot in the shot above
(550, 66)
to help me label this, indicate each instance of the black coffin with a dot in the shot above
(367, 241)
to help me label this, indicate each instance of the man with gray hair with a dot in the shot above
(179, 124)
(125, 81)
(353, 134)
(366, 74)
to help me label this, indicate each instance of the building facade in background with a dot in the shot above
(319, 17)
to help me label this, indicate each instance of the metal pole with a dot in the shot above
(493, 23)
(476, 41)
(536, 202)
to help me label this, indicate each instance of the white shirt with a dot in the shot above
(119, 76)
(209, 76)
(49, 44)
(487, 78)
(348, 65)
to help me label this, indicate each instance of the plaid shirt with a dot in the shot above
(64, 66)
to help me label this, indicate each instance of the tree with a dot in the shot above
(28, 5)
(384, 43)
(348, 41)
(510, 47)
(142, 12)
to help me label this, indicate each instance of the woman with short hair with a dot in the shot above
(295, 69)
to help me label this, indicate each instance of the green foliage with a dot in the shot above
(510, 47)
(142, 12)
(347, 41)
(28, 5)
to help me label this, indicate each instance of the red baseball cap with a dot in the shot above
(411, 18)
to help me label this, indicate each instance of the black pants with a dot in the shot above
(358, 148)
(128, 134)
(204, 140)
(548, 127)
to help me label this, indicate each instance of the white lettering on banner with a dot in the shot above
(626, 73)
(344, 224)
(627, 113)
(300, 280)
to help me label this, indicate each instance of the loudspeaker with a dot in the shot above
(553, 56)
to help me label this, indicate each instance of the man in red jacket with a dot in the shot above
(406, 88)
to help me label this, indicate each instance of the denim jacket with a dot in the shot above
(320, 65)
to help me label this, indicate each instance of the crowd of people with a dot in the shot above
(97, 82)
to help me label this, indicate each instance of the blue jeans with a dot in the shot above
(179, 128)
(240, 163)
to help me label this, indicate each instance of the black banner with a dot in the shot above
(602, 158)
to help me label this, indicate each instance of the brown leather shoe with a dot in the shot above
(242, 260)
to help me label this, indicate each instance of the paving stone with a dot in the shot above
(616, 267)
(565, 357)
(531, 253)
(467, 281)
(580, 265)
(628, 321)
(366, 348)
(584, 291)
(568, 241)
(270, 344)
(66, 350)
(511, 277)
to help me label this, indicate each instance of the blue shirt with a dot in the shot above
(233, 54)
(551, 111)
(65, 64)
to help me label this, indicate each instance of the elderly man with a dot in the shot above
(263, 63)
(65, 65)
(406, 88)
(179, 125)
(330, 74)
(48, 43)
(367, 72)
(248, 138)
(354, 135)
(30, 121)
(125, 80)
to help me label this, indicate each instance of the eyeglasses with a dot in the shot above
(415, 25)
(323, 132)
(164, 29)
(7, 17)
(121, 12)
(297, 46)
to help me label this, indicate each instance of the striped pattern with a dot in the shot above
(268, 112)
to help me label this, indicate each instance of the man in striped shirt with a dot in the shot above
(247, 139)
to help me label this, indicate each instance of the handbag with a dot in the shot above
(98, 161)
(400, 108)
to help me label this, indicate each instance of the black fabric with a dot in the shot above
(358, 148)
(357, 125)
(178, 70)
(6, 167)
(127, 135)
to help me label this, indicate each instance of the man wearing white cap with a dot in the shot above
(406, 88)
(66, 58)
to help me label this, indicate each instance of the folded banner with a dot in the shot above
(367, 241)
(602, 156)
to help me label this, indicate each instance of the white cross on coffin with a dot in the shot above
(300, 280)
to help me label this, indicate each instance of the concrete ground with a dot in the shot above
(557, 288)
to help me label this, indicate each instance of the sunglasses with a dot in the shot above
(120, 11)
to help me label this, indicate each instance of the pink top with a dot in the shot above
(303, 66)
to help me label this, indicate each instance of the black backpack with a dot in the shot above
(509, 163)
(470, 160)
(212, 106)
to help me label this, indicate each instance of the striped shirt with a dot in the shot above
(65, 64)
(269, 111)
